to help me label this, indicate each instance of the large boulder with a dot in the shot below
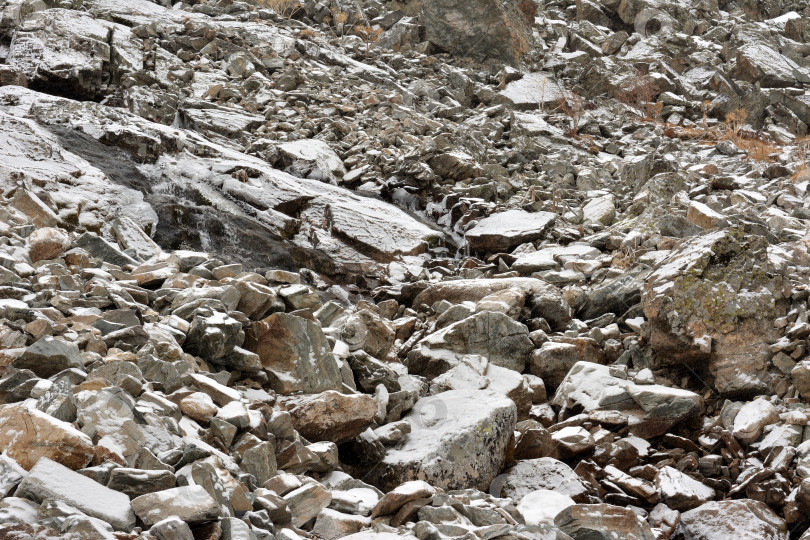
(295, 353)
(544, 298)
(495, 336)
(713, 302)
(485, 29)
(458, 439)
(50, 480)
(48, 356)
(541, 473)
(332, 416)
(652, 409)
(740, 519)
(506, 230)
(28, 435)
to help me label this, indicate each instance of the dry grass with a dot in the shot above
(284, 8)
(640, 93)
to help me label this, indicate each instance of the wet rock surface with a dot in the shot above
(435, 269)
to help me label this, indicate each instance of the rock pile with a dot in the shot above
(520, 270)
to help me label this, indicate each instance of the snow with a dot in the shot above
(542, 506)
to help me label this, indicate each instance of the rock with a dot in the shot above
(457, 28)
(50, 480)
(364, 330)
(759, 63)
(369, 372)
(541, 473)
(472, 427)
(48, 356)
(744, 519)
(47, 243)
(505, 230)
(192, 504)
(552, 361)
(704, 217)
(137, 482)
(495, 336)
(311, 158)
(28, 435)
(331, 416)
(684, 325)
(104, 250)
(199, 406)
(752, 418)
(601, 210)
(213, 335)
(331, 524)
(681, 492)
(402, 495)
(602, 522)
(307, 502)
(295, 352)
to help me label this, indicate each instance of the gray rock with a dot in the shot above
(50, 480)
(48, 356)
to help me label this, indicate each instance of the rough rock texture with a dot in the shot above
(456, 441)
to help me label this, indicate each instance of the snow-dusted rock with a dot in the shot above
(50, 480)
(473, 427)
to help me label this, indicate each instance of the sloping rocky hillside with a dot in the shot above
(434, 269)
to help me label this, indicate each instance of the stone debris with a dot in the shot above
(430, 270)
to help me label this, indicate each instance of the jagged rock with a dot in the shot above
(50, 480)
(541, 473)
(495, 336)
(296, 354)
(552, 361)
(505, 230)
(213, 335)
(137, 482)
(602, 522)
(307, 502)
(47, 243)
(727, 268)
(474, 427)
(458, 28)
(28, 435)
(332, 416)
(311, 158)
(745, 519)
(192, 504)
(369, 372)
(681, 492)
(48, 356)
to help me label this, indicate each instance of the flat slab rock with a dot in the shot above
(458, 440)
(505, 230)
(50, 480)
(739, 519)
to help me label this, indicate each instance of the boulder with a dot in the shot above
(50, 480)
(48, 356)
(491, 29)
(506, 230)
(602, 522)
(192, 504)
(28, 435)
(213, 335)
(495, 336)
(47, 243)
(367, 331)
(713, 301)
(553, 360)
(295, 353)
(311, 158)
(541, 473)
(332, 416)
(458, 440)
(744, 519)
(680, 491)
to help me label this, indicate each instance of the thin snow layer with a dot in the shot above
(50, 480)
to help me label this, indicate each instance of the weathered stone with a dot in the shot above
(503, 231)
(48, 356)
(28, 435)
(541, 473)
(602, 522)
(47, 243)
(50, 480)
(473, 428)
(192, 504)
(332, 416)
(295, 352)
(744, 519)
